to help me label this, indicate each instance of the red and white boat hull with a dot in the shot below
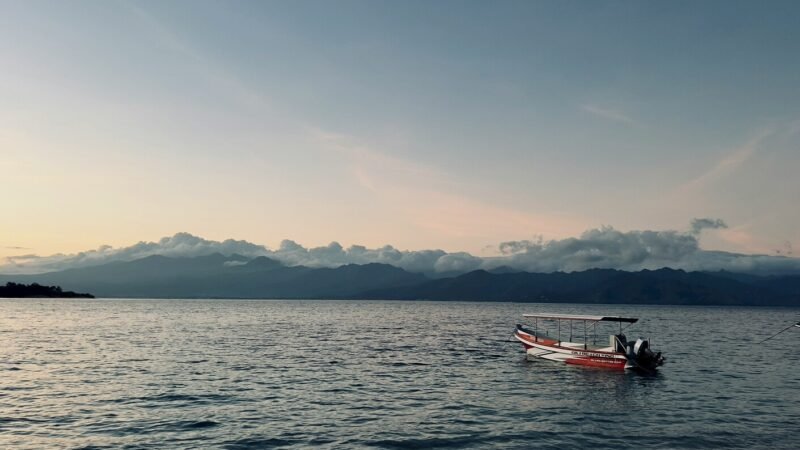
(572, 353)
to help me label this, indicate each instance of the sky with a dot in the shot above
(424, 125)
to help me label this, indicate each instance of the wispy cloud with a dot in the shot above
(362, 157)
(431, 199)
(609, 114)
(215, 73)
(727, 166)
(14, 247)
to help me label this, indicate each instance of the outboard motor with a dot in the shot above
(644, 357)
(640, 346)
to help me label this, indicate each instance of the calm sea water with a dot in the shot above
(341, 374)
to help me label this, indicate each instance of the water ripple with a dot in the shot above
(98, 374)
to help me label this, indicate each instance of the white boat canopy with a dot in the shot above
(579, 317)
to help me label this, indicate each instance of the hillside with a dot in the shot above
(219, 276)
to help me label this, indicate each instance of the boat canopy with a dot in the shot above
(579, 317)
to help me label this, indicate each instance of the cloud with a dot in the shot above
(332, 255)
(234, 263)
(699, 225)
(218, 75)
(429, 198)
(458, 262)
(363, 158)
(609, 114)
(603, 247)
(14, 247)
(725, 167)
(179, 245)
(635, 250)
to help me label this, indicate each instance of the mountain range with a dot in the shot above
(236, 276)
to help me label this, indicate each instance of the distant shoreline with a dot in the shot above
(35, 290)
(394, 300)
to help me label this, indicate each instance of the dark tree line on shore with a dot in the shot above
(19, 290)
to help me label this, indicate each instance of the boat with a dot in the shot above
(544, 340)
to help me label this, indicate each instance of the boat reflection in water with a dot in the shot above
(544, 340)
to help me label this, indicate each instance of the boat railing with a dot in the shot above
(542, 333)
(588, 330)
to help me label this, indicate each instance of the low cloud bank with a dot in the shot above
(179, 245)
(607, 248)
(604, 247)
(291, 253)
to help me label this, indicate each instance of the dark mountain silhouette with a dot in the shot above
(223, 276)
(664, 286)
(235, 276)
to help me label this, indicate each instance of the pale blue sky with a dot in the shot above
(452, 125)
